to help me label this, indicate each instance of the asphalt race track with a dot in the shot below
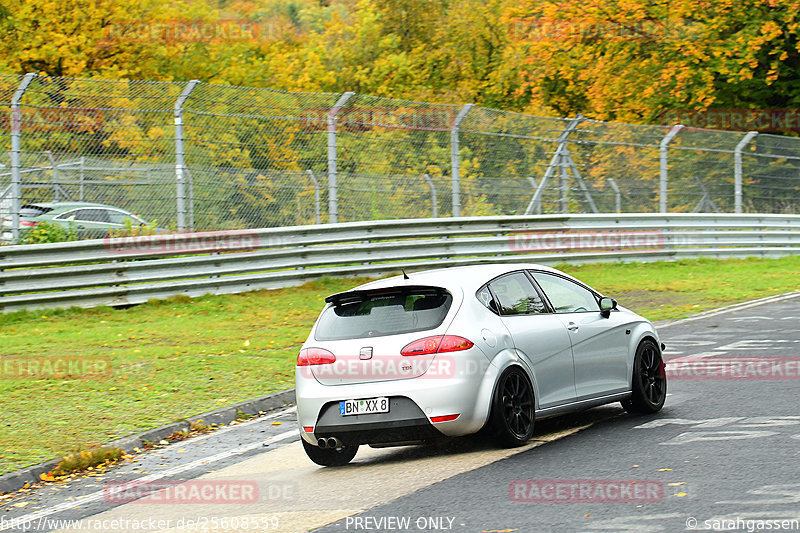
(722, 455)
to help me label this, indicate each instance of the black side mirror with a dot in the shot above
(607, 305)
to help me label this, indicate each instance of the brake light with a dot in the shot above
(314, 356)
(28, 223)
(437, 344)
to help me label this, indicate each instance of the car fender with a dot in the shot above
(483, 399)
(639, 332)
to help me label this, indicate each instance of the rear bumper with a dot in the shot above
(405, 422)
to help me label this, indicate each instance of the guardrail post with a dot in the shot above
(663, 146)
(333, 185)
(455, 168)
(16, 180)
(737, 169)
(434, 202)
(180, 164)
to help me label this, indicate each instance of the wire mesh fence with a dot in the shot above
(195, 156)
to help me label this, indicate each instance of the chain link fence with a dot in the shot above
(195, 156)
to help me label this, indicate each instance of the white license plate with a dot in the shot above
(363, 407)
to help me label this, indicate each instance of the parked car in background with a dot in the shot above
(445, 353)
(89, 220)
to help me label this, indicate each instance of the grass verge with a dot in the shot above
(170, 359)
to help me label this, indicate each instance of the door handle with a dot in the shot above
(572, 326)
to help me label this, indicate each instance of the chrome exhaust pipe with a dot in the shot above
(322, 443)
(333, 442)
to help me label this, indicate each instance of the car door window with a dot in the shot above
(119, 217)
(565, 295)
(513, 294)
(69, 215)
(87, 215)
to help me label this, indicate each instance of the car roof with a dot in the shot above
(68, 205)
(468, 277)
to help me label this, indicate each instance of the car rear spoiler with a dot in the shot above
(359, 295)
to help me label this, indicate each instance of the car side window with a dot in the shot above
(486, 298)
(566, 295)
(514, 294)
(87, 215)
(119, 217)
(68, 215)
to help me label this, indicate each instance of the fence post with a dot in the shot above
(434, 202)
(180, 164)
(662, 197)
(559, 160)
(737, 169)
(82, 177)
(16, 181)
(455, 168)
(535, 187)
(617, 195)
(333, 185)
(316, 195)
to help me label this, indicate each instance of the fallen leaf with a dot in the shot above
(676, 484)
(21, 504)
(277, 423)
(664, 470)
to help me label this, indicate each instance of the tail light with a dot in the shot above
(437, 344)
(28, 223)
(314, 356)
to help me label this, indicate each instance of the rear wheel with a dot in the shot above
(649, 382)
(512, 408)
(330, 456)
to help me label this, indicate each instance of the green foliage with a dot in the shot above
(128, 229)
(45, 232)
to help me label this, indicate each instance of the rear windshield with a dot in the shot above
(366, 314)
(30, 210)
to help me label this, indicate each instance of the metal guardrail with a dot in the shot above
(130, 270)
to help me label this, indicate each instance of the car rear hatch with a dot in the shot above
(27, 212)
(367, 331)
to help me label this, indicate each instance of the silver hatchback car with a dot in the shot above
(448, 352)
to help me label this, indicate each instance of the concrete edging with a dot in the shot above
(16, 480)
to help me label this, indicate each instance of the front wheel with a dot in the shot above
(513, 409)
(330, 456)
(649, 380)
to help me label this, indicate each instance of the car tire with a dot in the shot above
(512, 417)
(649, 380)
(330, 456)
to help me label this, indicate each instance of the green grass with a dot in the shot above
(174, 358)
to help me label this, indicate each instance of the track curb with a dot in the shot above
(17, 479)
